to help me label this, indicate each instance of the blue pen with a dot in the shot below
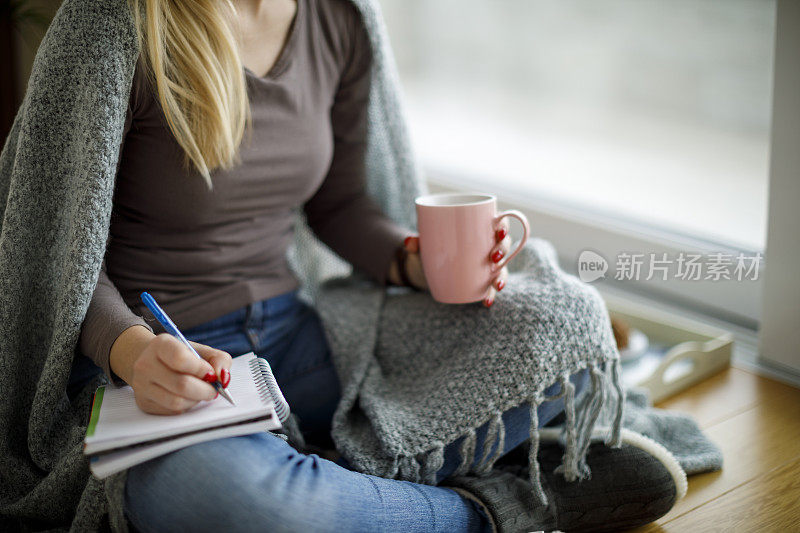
(169, 325)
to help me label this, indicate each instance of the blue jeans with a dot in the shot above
(259, 482)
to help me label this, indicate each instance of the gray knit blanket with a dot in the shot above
(416, 374)
(676, 432)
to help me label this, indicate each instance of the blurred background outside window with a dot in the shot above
(651, 112)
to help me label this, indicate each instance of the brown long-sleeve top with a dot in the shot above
(204, 253)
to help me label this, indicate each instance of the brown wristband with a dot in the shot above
(400, 257)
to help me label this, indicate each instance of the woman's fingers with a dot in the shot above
(501, 230)
(500, 249)
(177, 370)
(502, 242)
(498, 283)
(221, 361)
(415, 272)
(412, 244)
(500, 280)
(488, 301)
(150, 406)
(169, 402)
(413, 265)
(178, 357)
(184, 385)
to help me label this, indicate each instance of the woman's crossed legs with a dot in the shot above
(260, 482)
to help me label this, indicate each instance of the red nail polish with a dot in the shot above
(500, 285)
(225, 376)
(500, 234)
(210, 377)
(488, 303)
(497, 256)
(406, 241)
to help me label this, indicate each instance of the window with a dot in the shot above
(625, 125)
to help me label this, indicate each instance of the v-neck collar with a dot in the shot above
(285, 55)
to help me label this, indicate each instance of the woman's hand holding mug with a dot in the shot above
(463, 247)
(416, 274)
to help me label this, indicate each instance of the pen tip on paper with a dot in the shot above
(227, 395)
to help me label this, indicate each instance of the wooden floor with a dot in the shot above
(756, 423)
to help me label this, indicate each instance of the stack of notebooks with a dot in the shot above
(121, 435)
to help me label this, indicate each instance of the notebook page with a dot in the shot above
(122, 423)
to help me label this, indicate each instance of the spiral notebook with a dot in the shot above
(121, 435)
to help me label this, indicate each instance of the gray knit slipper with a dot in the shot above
(507, 500)
(628, 486)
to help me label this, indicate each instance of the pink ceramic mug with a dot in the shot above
(456, 236)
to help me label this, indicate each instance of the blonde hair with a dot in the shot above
(191, 56)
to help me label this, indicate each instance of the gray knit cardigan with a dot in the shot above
(416, 375)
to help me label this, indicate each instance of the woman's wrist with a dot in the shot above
(401, 266)
(393, 276)
(126, 349)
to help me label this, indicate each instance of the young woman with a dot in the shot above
(240, 113)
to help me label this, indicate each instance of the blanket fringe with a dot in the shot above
(495, 434)
(467, 452)
(591, 412)
(569, 465)
(501, 438)
(534, 470)
(408, 468)
(576, 435)
(433, 463)
(615, 438)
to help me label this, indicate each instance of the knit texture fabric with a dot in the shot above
(56, 182)
(417, 375)
(505, 499)
(677, 432)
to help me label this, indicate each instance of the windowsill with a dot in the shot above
(746, 340)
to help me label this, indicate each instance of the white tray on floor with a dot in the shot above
(682, 352)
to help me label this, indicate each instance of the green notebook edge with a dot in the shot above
(96, 403)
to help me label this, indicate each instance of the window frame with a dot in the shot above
(779, 334)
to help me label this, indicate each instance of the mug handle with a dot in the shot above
(525, 232)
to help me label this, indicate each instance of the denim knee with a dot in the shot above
(235, 484)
